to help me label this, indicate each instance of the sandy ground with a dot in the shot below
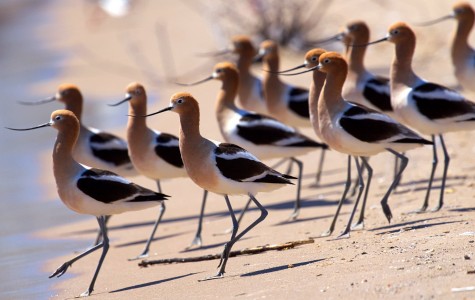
(416, 256)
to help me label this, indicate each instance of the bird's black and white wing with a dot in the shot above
(262, 130)
(377, 91)
(109, 148)
(298, 101)
(373, 127)
(439, 103)
(237, 164)
(108, 187)
(167, 148)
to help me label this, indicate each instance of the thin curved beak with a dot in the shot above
(196, 83)
(31, 128)
(386, 38)
(43, 101)
(298, 73)
(336, 37)
(288, 70)
(215, 53)
(438, 20)
(155, 113)
(128, 97)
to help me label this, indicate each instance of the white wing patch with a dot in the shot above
(268, 122)
(373, 116)
(379, 88)
(236, 155)
(110, 177)
(171, 143)
(115, 143)
(440, 93)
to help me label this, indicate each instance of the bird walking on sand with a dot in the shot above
(358, 131)
(88, 190)
(155, 154)
(316, 85)
(263, 136)
(429, 108)
(362, 86)
(221, 168)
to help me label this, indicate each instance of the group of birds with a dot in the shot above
(351, 111)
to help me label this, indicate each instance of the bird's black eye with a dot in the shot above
(219, 70)
(138, 92)
(326, 61)
(395, 31)
(57, 118)
(179, 101)
(314, 58)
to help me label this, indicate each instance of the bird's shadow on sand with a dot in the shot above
(421, 185)
(462, 209)
(147, 284)
(398, 227)
(143, 241)
(404, 224)
(281, 268)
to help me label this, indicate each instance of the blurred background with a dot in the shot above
(102, 46)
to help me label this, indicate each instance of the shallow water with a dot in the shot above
(26, 207)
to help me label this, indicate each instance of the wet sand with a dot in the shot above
(417, 256)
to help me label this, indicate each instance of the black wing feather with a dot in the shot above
(239, 169)
(380, 100)
(297, 104)
(440, 108)
(109, 191)
(117, 157)
(170, 154)
(266, 135)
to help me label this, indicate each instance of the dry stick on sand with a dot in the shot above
(247, 251)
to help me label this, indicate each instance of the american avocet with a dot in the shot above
(90, 191)
(316, 85)
(429, 108)
(285, 102)
(463, 55)
(95, 148)
(250, 90)
(362, 86)
(221, 168)
(263, 136)
(357, 130)
(154, 154)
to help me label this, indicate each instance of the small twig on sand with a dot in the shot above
(247, 251)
